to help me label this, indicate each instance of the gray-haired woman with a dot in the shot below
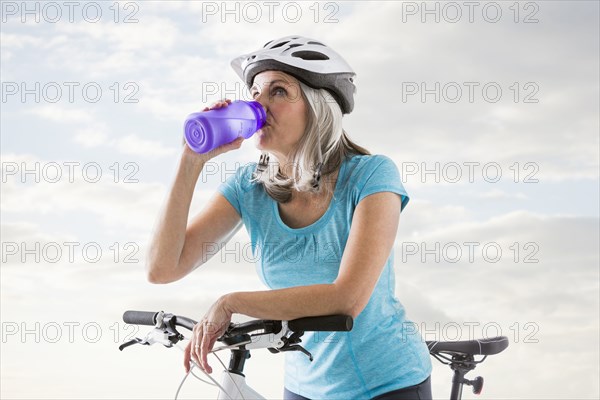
(322, 214)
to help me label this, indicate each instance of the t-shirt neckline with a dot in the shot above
(324, 218)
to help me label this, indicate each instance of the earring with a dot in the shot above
(316, 181)
(263, 162)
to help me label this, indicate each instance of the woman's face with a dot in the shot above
(281, 96)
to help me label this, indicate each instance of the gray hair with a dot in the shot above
(319, 152)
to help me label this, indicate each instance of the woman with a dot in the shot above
(322, 213)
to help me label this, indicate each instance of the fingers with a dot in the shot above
(197, 340)
(186, 357)
(218, 104)
(235, 144)
(199, 346)
(191, 352)
(204, 349)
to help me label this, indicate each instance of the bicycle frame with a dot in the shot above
(233, 381)
(235, 387)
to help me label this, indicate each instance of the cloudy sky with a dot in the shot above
(490, 111)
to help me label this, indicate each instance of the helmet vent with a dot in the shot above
(279, 44)
(294, 45)
(317, 43)
(310, 55)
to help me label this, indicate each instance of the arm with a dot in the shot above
(372, 235)
(176, 249)
(369, 244)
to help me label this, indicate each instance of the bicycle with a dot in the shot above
(286, 335)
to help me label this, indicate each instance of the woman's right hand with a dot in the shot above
(189, 153)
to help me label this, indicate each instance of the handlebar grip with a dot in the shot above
(339, 323)
(140, 317)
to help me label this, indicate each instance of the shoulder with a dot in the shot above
(243, 176)
(246, 170)
(361, 167)
(240, 178)
(369, 174)
(369, 160)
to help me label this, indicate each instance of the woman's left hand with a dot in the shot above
(205, 334)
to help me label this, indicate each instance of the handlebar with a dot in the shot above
(150, 318)
(140, 317)
(328, 323)
(237, 335)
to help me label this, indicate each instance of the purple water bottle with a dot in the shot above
(207, 130)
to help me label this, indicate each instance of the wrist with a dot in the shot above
(190, 157)
(191, 165)
(228, 302)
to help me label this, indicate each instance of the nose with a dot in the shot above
(263, 99)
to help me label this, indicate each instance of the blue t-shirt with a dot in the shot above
(384, 351)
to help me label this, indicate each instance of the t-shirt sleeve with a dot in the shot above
(231, 189)
(381, 174)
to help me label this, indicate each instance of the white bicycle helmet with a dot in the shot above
(308, 60)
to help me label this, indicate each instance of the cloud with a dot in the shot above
(497, 194)
(94, 134)
(63, 192)
(135, 145)
(89, 137)
(152, 33)
(27, 232)
(480, 131)
(535, 252)
(58, 113)
(426, 216)
(17, 41)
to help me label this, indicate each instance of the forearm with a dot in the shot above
(290, 303)
(169, 234)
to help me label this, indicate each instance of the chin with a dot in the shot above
(261, 142)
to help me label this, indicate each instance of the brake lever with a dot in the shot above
(296, 347)
(132, 342)
(156, 335)
(164, 332)
(291, 344)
